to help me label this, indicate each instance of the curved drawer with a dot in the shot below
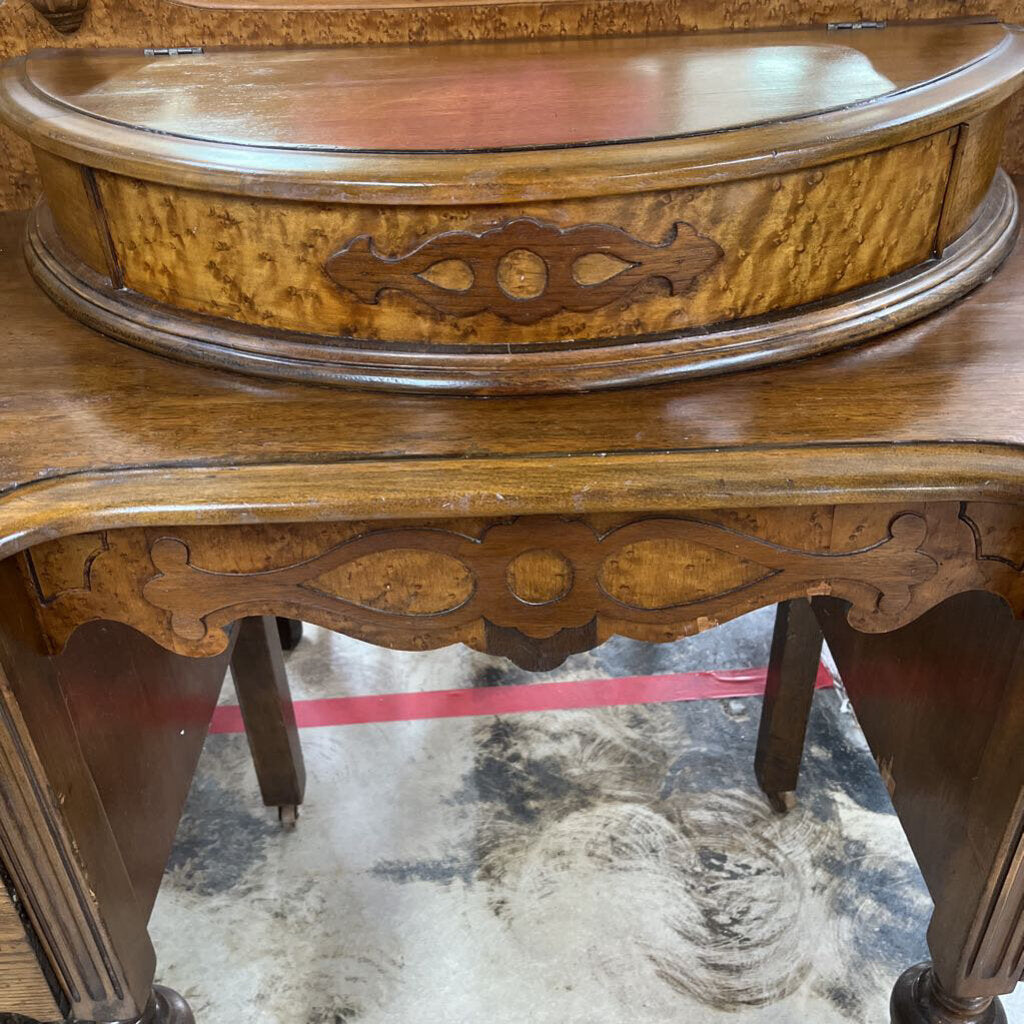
(529, 216)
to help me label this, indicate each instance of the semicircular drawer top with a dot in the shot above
(520, 216)
(698, 107)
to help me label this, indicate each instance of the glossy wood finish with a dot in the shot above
(149, 434)
(487, 96)
(441, 168)
(890, 475)
(543, 240)
(675, 292)
(145, 23)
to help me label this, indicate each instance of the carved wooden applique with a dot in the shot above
(534, 589)
(525, 270)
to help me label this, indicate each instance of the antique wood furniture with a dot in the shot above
(148, 504)
(503, 217)
(158, 514)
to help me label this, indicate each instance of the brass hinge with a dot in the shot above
(173, 51)
(835, 26)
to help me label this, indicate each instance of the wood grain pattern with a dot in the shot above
(136, 706)
(140, 24)
(98, 435)
(418, 586)
(974, 164)
(57, 843)
(568, 364)
(261, 263)
(24, 987)
(66, 16)
(435, 175)
(76, 216)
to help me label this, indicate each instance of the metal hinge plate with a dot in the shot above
(173, 51)
(835, 26)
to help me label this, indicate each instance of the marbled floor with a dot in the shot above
(608, 866)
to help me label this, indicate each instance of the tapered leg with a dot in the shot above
(792, 671)
(941, 703)
(257, 667)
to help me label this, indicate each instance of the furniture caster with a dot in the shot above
(918, 999)
(167, 1007)
(781, 803)
(288, 815)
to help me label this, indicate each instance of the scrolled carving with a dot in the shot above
(536, 588)
(525, 270)
(540, 576)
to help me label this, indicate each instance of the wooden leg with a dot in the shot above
(97, 751)
(257, 667)
(792, 671)
(941, 703)
(290, 632)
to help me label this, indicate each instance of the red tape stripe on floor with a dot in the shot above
(510, 700)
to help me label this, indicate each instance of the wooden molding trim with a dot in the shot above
(534, 588)
(27, 986)
(851, 317)
(288, 493)
(41, 858)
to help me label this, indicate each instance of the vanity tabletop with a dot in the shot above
(94, 434)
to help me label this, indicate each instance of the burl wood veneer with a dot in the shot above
(543, 216)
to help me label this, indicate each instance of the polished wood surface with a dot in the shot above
(550, 238)
(146, 23)
(890, 475)
(98, 435)
(477, 165)
(473, 96)
(941, 704)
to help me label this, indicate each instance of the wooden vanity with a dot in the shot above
(311, 207)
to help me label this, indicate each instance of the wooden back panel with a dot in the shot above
(142, 23)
